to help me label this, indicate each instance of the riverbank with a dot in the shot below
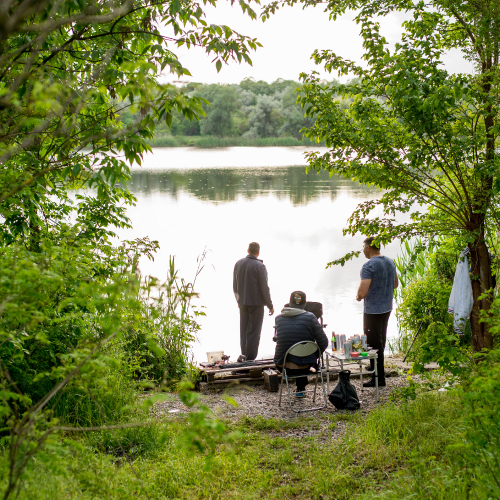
(381, 453)
(257, 402)
(205, 142)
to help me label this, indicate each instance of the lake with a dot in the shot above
(220, 200)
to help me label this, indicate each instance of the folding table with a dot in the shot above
(340, 358)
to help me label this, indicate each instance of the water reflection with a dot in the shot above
(191, 200)
(226, 185)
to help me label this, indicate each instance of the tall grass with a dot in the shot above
(411, 263)
(395, 453)
(225, 142)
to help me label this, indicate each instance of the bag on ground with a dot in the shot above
(344, 396)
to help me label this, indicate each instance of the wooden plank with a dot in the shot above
(271, 380)
(222, 383)
(237, 368)
(255, 372)
(219, 383)
(235, 376)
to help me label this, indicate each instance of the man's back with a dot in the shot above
(293, 326)
(381, 270)
(250, 282)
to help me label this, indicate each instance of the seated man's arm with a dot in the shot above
(319, 335)
(364, 286)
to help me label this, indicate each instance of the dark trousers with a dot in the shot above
(251, 318)
(301, 382)
(375, 329)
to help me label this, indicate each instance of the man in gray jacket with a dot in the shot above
(252, 294)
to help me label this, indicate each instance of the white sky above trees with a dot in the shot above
(289, 38)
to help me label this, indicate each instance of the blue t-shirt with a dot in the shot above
(382, 271)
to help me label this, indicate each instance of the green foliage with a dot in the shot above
(104, 400)
(223, 104)
(425, 287)
(251, 113)
(426, 137)
(482, 439)
(70, 295)
(227, 142)
(468, 466)
(421, 450)
(79, 327)
(261, 424)
(411, 262)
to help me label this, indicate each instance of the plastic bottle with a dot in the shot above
(363, 341)
(334, 342)
(347, 349)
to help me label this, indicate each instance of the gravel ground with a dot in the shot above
(258, 401)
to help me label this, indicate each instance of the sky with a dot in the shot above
(289, 38)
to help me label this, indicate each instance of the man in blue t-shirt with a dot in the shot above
(378, 281)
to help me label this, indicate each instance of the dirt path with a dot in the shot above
(257, 401)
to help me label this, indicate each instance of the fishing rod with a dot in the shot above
(414, 338)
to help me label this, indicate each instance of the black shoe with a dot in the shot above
(241, 358)
(371, 383)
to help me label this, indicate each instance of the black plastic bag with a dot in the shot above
(344, 396)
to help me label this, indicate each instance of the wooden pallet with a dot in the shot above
(235, 372)
(263, 374)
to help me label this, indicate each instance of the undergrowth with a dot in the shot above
(395, 452)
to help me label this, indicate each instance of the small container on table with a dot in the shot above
(340, 358)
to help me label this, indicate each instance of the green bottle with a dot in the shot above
(334, 342)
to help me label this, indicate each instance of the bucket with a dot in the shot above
(215, 356)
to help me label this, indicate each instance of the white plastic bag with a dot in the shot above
(461, 300)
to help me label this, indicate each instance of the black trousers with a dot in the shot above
(301, 382)
(375, 329)
(251, 318)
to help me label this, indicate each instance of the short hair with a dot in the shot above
(369, 241)
(253, 248)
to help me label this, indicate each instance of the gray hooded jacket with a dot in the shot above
(296, 325)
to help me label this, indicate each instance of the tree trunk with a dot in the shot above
(481, 283)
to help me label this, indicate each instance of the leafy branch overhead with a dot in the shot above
(426, 137)
(68, 69)
(78, 322)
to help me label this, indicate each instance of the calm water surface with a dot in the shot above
(220, 200)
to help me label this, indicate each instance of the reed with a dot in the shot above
(411, 263)
(208, 142)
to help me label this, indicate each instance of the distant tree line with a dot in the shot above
(251, 109)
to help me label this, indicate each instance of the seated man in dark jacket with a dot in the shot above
(293, 325)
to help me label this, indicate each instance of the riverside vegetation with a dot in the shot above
(83, 334)
(252, 113)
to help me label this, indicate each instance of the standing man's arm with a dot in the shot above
(396, 281)
(364, 286)
(264, 287)
(366, 276)
(235, 283)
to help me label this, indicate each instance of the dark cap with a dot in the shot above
(298, 300)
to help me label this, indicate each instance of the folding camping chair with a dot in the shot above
(315, 307)
(302, 350)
